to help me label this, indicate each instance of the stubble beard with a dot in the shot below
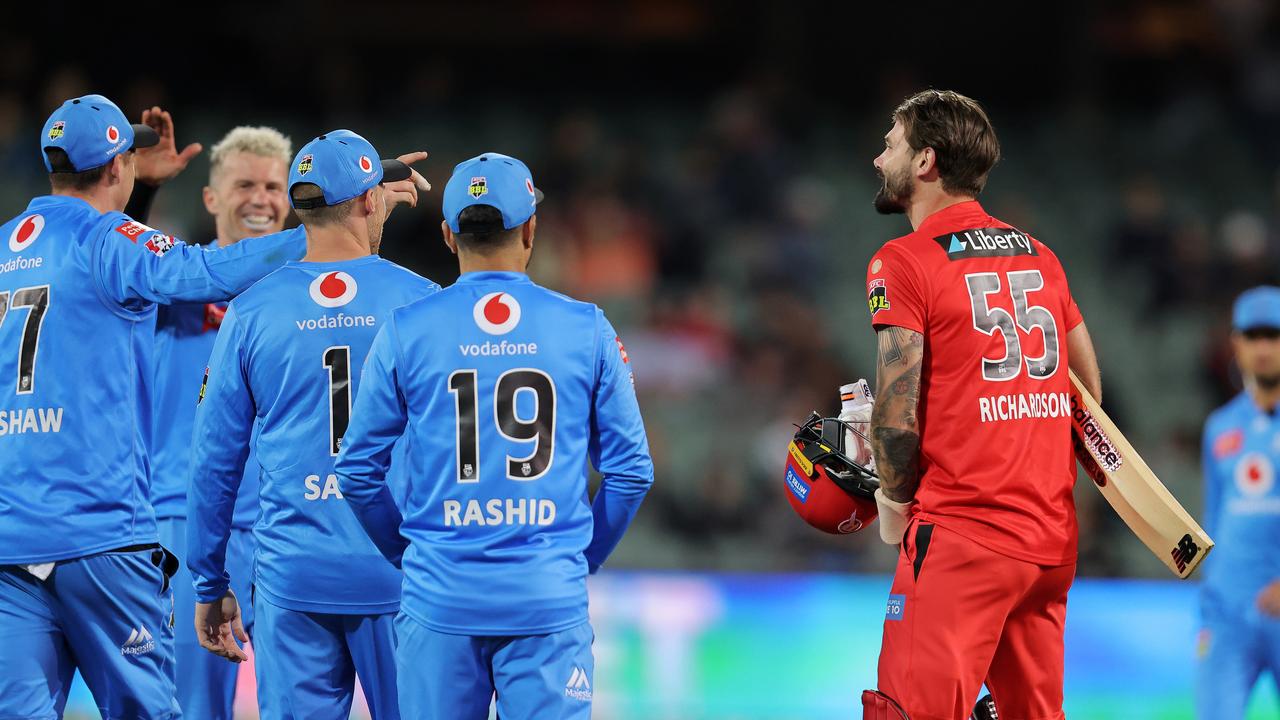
(893, 195)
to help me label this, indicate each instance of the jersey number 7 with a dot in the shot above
(539, 429)
(36, 298)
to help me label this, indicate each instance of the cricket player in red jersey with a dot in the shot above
(971, 431)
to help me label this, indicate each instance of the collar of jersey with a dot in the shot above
(492, 275)
(47, 200)
(334, 264)
(953, 214)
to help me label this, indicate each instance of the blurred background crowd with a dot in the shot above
(707, 168)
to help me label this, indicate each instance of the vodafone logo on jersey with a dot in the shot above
(1255, 475)
(333, 289)
(26, 233)
(497, 313)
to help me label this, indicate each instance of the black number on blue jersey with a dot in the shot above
(36, 298)
(462, 383)
(540, 429)
(989, 320)
(338, 360)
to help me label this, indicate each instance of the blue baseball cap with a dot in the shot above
(1257, 308)
(344, 165)
(91, 130)
(493, 179)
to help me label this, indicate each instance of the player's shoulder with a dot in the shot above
(1228, 415)
(405, 277)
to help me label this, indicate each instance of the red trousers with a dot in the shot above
(960, 615)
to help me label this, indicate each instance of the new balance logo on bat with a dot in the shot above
(1185, 552)
(578, 687)
(140, 642)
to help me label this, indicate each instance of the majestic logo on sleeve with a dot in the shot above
(578, 686)
(140, 642)
(877, 296)
(496, 313)
(26, 233)
(333, 289)
(985, 242)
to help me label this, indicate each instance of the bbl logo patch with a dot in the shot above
(479, 186)
(58, 130)
(877, 296)
(304, 165)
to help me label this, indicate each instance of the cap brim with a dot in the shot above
(394, 171)
(537, 196)
(144, 136)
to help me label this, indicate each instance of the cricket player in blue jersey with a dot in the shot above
(288, 359)
(248, 171)
(1240, 595)
(503, 390)
(84, 582)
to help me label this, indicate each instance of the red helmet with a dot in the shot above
(826, 488)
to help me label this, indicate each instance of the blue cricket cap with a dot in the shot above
(344, 165)
(1257, 308)
(493, 179)
(91, 130)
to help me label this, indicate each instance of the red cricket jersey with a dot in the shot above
(993, 305)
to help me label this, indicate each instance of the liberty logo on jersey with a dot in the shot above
(333, 289)
(26, 233)
(496, 313)
(985, 242)
(1255, 475)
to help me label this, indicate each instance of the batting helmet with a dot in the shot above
(826, 488)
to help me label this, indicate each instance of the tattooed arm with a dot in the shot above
(895, 434)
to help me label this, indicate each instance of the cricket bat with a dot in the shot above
(1138, 496)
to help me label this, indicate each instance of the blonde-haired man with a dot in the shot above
(246, 197)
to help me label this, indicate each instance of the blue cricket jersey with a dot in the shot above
(504, 390)
(184, 342)
(288, 357)
(1240, 453)
(77, 301)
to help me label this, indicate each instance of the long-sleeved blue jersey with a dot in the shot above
(1240, 453)
(77, 301)
(288, 357)
(184, 341)
(504, 390)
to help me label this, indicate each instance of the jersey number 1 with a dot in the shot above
(540, 429)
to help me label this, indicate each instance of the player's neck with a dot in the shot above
(515, 261)
(929, 201)
(1265, 398)
(335, 243)
(100, 201)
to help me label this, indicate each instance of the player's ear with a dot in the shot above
(528, 231)
(449, 240)
(116, 169)
(210, 200)
(926, 161)
(370, 202)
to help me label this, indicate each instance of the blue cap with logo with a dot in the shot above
(90, 130)
(493, 179)
(343, 165)
(1257, 308)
